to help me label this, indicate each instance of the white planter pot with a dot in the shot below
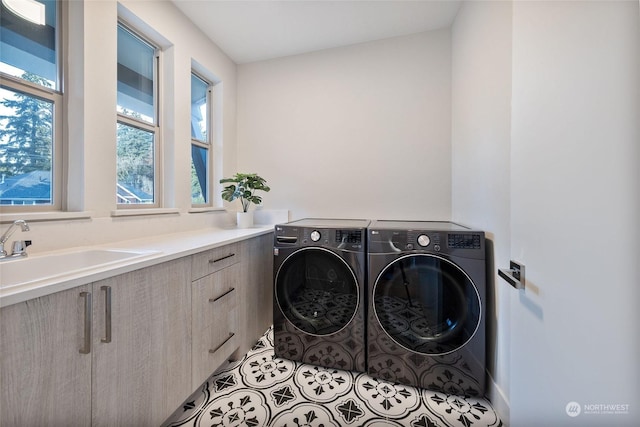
(245, 219)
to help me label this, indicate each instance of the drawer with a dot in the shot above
(213, 346)
(224, 326)
(215, 334)
(214, 291)
(213, 260)
(218, 310)
(209, 358)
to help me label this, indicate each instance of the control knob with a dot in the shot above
(423, 240)
(315, 236)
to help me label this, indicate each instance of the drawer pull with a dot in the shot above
(231, 334)
(222, 296)
(107, 314)
(213, 261)
(86, 347)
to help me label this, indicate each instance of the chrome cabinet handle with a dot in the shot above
(222, 296)
(213, 261)
(86, 348)
(231, 334)
(107, 313)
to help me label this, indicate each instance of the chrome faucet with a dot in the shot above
(19, 247)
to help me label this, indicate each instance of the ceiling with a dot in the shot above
(250, 31)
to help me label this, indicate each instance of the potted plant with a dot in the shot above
(243, 186)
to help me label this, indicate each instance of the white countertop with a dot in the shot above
(159, 249)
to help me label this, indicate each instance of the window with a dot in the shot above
(138, 135)
(200, 140)
(30, 106)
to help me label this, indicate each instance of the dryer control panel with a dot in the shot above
(461, 243)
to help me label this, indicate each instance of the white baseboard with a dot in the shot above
(499, 401)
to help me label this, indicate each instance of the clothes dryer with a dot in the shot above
(319, 292)
(426, 321)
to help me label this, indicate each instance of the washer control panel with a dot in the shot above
(463, 243)
(349, 239)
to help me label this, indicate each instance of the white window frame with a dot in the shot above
(208, 143)
(56, 97)
(153, 128)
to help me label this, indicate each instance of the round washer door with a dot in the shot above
(427, 304)
(317, 291)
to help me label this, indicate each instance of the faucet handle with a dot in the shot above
(19, 247)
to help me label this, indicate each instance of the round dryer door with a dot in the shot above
(426, 304)
(316, 291)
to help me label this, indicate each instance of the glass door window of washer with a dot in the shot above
(426, 304)
(317, 291)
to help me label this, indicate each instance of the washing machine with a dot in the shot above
(319, 292)
(426, 312)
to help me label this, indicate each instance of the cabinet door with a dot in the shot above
(44, 378)
(214, 321)
(256, 312)
(143, 373)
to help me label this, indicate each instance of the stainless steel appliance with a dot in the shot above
(427, 288)
(319, 292)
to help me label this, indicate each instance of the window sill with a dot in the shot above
(142, 212)
(205, 209)
(44, 216)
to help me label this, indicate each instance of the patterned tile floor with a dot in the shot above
(262, 390)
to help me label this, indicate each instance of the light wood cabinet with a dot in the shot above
(142, 373)
(210, 261)
(44, 379)
(214, 321)
(135, 374)
(232, 307)
(151, 337)
(256, 292)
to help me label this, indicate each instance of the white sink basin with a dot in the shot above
(35, 268)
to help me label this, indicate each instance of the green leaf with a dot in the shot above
(243, 186)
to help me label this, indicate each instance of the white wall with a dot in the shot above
(360, 132)
(574, 211)
(480, 138)
(92, 124)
